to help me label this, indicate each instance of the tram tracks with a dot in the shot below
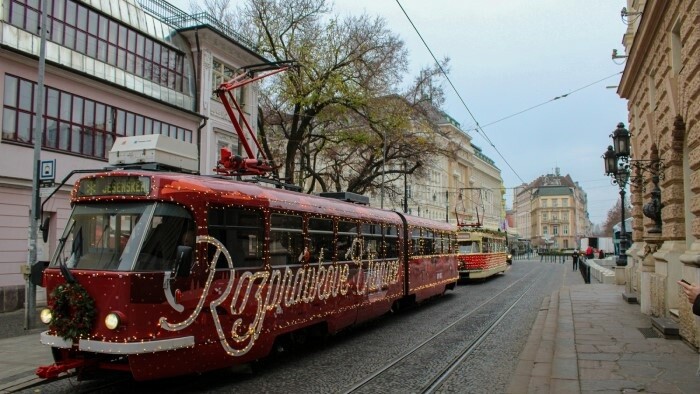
(465, 335)
(409, 360)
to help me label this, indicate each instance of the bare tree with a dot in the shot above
(613, 217)
(332, 111)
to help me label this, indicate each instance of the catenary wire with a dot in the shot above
(479, 128)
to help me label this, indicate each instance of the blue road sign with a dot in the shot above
(47, 170)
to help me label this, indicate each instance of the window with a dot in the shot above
(372, 236)
(223, 73)
(286, 239)
(73, 123)
(544, 215)
(676, 47)
(83, 30)
(565, 229)
(417, 242)
(241, 232)
(391, 242)
(226, 140)
(555, 230)
(545, 231)
(321, 241)
(564, 202)
(347, 233)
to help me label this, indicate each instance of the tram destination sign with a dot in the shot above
(115, 185)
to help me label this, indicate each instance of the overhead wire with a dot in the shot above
(552, 99)
(479, 128)
(442, 70)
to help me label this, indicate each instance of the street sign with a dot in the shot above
(47, 170)
(47, 173)
(45, 191)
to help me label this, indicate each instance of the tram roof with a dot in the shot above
(187, 188)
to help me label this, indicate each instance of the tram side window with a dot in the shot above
(171, 227)
(347, 233)
(437, 244)
(372, 236)
(486, 245)
(321, 240)
(286, 239)
(428, 242)
(451, 243)
(241, 232)
(416, 242)
(391, 242)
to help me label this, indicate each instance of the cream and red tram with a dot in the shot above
(127, 291)
(482, 253)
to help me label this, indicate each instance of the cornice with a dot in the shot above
(651, 20)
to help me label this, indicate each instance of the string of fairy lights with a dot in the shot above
(252, 295)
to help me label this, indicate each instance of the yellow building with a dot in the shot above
(551, 212)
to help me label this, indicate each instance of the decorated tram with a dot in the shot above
(162, 273)
(482, 252)
(165, 273)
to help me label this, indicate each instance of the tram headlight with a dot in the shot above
(113, 320)
(45, 315)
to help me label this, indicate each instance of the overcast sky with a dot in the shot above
(511, 55)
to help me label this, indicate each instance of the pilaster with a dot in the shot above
(670, 268)
(649, 292)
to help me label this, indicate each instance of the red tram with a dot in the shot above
(130, 289)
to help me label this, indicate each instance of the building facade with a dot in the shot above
(112, 69)
(661, 82)
(551, 212)
(465, 188)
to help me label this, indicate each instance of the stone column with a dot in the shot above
(635, 251)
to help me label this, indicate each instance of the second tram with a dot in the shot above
(482, 253)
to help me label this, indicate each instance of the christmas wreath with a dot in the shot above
(73, 312)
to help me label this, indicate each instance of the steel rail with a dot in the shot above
(419, 346)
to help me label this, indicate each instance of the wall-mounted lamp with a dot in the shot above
(625, 15)
(616, 56)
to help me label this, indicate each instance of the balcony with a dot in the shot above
(555, 221)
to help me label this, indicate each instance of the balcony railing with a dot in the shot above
(177, 18)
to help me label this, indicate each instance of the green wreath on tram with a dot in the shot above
(73, 313)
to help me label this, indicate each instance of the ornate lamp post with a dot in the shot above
(618, 165)
(616, 160)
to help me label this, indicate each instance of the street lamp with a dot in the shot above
(618, 166)
(616, 159)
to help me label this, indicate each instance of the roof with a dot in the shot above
(554, 191)
(183, 188)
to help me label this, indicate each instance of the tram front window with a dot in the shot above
(110, 236)
(469, 247)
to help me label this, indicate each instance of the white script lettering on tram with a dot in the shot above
(279, 288)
